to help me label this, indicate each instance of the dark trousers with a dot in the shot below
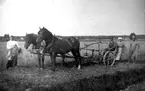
(12, 62)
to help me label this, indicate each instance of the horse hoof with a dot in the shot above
(79, 67)
(52, 69)
(64, 64)
(41, 68)
(16, 67)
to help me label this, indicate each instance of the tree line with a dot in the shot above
(7, 36)
(21, 38)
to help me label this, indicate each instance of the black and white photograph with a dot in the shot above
(72, 45)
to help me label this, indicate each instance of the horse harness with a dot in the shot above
(48, 46)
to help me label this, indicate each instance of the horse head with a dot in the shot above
(44, 34)
(30, 39)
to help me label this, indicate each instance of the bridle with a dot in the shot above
(48, 46)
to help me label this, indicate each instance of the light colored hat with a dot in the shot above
(119, 38)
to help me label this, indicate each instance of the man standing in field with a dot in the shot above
(133, 48)
(13, 50)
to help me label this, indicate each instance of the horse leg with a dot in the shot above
(43, 62)
(63, 58)
(39, 60)
(53, 59)
(79, 59)
(75, 56)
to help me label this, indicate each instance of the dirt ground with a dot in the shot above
(23, 78)
(136, 87)
(26, 77)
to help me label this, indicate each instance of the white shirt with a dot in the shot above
(12, 44)
(12, 49)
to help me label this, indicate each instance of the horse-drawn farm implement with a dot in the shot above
(97, 55)
(56, 47)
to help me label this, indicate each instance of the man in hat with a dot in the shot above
(13, 50)
(120, 48)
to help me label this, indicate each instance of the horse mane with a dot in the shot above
(46, 31)
(31, 37)
(46, 34)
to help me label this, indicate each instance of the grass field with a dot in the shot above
(26, 58)
(27, 77)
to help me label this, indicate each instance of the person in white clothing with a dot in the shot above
(120, 48)
(13, 50)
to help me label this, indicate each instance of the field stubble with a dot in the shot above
(26, 58)
(27, 76)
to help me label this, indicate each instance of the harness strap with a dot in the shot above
(60, 48)
(52, 44)
(68, 42)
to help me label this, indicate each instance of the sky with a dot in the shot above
(72, 17)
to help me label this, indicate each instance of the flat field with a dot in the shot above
(91, 77)
(26, 58)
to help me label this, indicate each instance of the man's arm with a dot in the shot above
(16, 43)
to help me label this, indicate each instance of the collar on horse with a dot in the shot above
(48, 46)
(51, 44)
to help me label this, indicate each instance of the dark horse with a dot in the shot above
(30, 39)
(62, 46)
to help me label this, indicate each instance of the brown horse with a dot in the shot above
(62, 46)
(30, 39)
(30, 44)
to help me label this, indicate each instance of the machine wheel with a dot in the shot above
(109, 58)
